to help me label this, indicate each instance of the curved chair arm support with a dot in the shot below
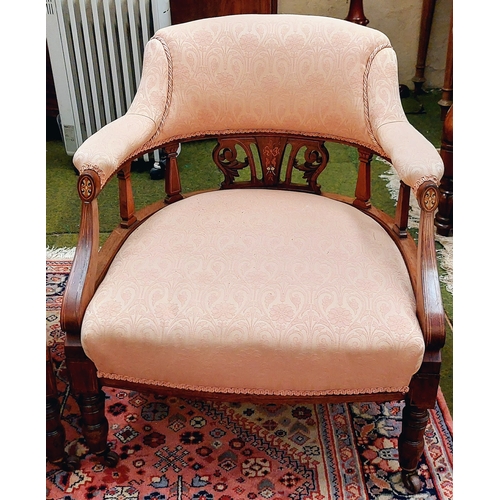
(430, 310)
(415, 159)
(82, 278)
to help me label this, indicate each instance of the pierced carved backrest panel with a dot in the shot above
(271, 161)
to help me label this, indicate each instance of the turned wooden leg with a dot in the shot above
(95, 427)
(87, 391)
(444, 215)
(55, 434)
(411, 445)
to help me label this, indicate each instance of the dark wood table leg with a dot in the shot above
(423, 43)
(444, 215)
(447, 90)
(356, 14)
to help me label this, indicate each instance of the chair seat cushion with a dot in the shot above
(257, 291)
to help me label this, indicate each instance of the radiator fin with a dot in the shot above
(96, 49)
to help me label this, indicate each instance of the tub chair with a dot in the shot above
(265, 289)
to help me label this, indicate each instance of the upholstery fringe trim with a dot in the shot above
(255, 392)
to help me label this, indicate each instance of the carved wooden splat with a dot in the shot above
(225, 156)
(308, 156)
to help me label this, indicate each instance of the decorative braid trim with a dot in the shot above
(426, 178)
(365, 89)
(255, 392)
(216, 133)
(97, 170)
(170, 85)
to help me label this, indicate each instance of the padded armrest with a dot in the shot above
(415, 159)
(107, 149)
(123, 138)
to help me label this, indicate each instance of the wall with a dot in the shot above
(400, 21)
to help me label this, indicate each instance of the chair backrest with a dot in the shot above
(289, 74)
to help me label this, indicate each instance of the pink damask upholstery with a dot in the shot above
(267, 289)
(305, 75)
(257, 292)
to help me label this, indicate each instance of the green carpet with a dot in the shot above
(198, 172)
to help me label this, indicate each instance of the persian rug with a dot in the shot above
(182, 449)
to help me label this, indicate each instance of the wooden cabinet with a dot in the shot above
(182, 11)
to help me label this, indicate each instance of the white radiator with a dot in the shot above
(95, 49)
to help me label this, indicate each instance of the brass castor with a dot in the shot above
(109, 458)
(411, 481)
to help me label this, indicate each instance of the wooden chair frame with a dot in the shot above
(91, 264)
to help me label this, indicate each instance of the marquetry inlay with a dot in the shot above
(430, 199)
(86, 187)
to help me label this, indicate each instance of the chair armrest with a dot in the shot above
(111, 146)
(128, 136)
(415, 159)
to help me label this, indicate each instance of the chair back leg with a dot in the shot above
(55, 433)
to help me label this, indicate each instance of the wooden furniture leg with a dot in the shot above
(423, 43)
(444, 216)
(411, 444)
(55, 434)
(447, 95)
(90, 398)
(420, 399)
(356, 14)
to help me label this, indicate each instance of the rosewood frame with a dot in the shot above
(265, 171)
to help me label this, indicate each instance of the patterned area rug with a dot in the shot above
(179, 449)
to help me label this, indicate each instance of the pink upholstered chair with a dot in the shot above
(276, 292)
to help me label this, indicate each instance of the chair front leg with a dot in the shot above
(90, 397)
(411, 444)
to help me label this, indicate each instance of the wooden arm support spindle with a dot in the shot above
(363, 184)
(402, 211)
(172, 178)
(127, 206)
